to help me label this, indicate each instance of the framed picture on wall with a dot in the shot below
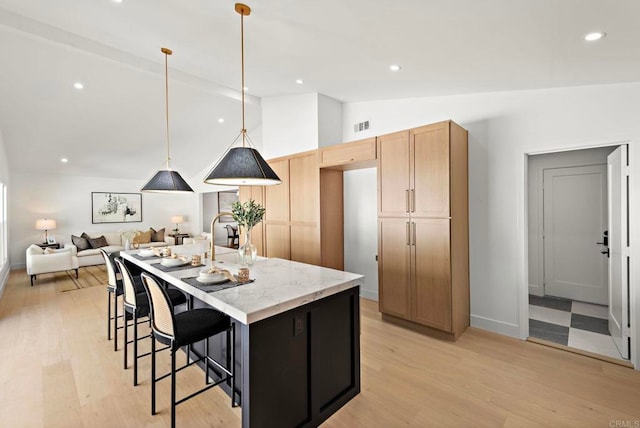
(110, 207)
(225, 200)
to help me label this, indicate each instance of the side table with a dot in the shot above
(55, 246)
(178, 237)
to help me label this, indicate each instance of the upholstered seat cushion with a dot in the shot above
(198, 324)
(94, 251)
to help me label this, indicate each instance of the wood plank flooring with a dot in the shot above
(57, 369)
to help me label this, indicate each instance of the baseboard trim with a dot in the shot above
(500, 327)
(371, 295)
(622, 363)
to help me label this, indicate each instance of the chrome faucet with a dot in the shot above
(213, 245)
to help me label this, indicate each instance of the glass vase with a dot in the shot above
(247, 252)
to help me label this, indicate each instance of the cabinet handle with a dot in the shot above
(413, 200)
(408, 235)
(407, 200)
(414, 234)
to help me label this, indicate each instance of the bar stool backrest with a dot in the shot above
(161, 311)
(127, 284)
(111, 270)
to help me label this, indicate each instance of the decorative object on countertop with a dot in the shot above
(243, 274)
(242, 166)
(167, 180)
(247, 214)
(46, 224)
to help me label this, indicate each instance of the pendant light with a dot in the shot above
(242, 166)
(167, 180)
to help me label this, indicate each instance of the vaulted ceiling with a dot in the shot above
(115, 126)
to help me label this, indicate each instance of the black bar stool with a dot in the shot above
(136, 305)
(185, 329)
(114, 289)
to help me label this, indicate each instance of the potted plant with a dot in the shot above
(247, 215)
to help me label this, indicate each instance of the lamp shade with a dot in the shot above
(177, 219)
(242, 166)
(167, 181)
(45, 224)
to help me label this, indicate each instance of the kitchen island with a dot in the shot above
(297, 335)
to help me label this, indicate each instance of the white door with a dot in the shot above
(619, 249)
(575, 218)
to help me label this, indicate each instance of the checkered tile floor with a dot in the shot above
(570, 323)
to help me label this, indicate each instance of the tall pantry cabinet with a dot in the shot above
(304, 214)
(423, 247)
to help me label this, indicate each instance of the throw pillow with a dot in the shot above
(157, 235)
(142, 237)
(80, 242)
(98, 242)
(49, 251)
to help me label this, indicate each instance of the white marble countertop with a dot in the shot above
(280, 285)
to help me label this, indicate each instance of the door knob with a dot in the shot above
(605, 252)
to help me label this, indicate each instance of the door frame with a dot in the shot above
(634, 231)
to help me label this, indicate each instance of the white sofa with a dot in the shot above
(41, 261)
(116, 241)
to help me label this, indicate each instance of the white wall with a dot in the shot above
(4, 177)
(503, 128)
(329, 121)
(297, 123)
(289, 125)
(360, 219)
(536, 166)
(67, 199)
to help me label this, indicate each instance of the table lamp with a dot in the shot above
(45, 224)
(177, 219)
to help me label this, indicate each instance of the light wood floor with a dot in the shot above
(58, 369)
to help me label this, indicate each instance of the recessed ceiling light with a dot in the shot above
(596, 35)
(299, 81)
(78, 85)
(117, 1)
(221, 120)
(394, 67)
(64, 160)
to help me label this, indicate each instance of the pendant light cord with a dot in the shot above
(167, 52)
(244, 130)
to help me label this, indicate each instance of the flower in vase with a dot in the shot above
(247, 214)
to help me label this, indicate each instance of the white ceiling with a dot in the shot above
(115, 127)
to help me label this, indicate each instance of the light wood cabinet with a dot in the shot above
(347, 156)
(294, 228)
(423, 227)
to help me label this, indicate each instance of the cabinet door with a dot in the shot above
(304, 184)
(430, 171)
(394, 267)
(305, 244)
(357, 154)
(431, 264)
(277, 241)
(277, 197)
(393, 175)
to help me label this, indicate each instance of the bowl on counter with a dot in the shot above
(146, 252)
(207, 277)
(172, 262)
